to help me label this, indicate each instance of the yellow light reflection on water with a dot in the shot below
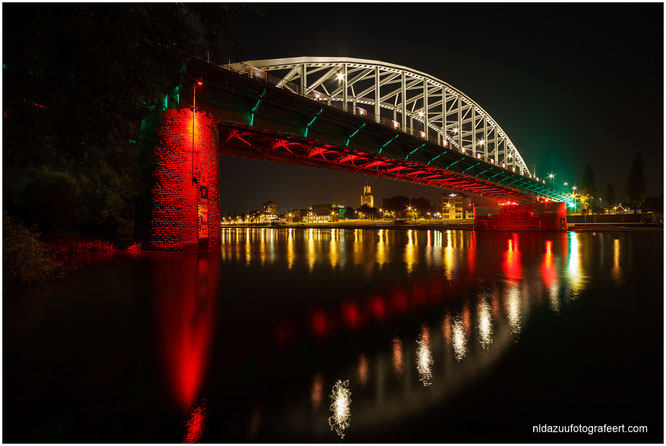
(448, 256)
(484, 313)
(311, 255)
(410, 250)
(459, 338)
(381, 247)
(513, 306)
(333, 251)
(424, 358)
(340, 406)
(616, 271)
(290, 248)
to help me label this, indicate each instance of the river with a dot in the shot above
(343, 335)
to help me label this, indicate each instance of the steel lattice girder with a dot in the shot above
(413, 95)
(256, 143)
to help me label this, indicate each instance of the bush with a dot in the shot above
(25, 258)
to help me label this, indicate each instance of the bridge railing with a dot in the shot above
(351, 107)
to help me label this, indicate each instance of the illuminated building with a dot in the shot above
(367, 197)
(270, 211)
(454, 206)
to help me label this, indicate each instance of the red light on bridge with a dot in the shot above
(199, 83)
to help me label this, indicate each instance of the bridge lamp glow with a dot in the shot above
(341, 76)
(566, 184)
(574, 187)
(551, 175)
(482, 142)
(420, 114)
(455, 130)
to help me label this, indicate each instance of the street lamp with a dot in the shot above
(197, 84)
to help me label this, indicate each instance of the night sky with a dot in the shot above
(570, 83)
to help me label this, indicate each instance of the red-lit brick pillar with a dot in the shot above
(184, 207)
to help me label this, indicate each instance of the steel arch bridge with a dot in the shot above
(420, 104)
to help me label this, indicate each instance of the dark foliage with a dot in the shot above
(634, 187)
(78, 79)
(25, 258)
(588, 184)
(610, 198)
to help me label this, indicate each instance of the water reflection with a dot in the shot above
(317, 391)
(340, 406)
(574, 262)
(196, 424)
(615, 271)
(397, 356)
(187, 287)
(459, 338)
(482, 285)
(424, 359)
(485, 323)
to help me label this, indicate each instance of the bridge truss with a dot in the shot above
(403, 98)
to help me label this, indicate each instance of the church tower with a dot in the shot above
(367, 197)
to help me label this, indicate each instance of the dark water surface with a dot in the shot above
(444, 336)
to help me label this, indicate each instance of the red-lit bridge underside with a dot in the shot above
(251, 142)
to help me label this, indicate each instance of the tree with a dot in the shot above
(587, 183)
(78, 80)
(422, 206)
(397, 204)
(586, 202)
(610, 196)
(349, 213)
(367, 211)
(634, 187)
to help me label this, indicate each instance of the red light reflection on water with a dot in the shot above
(399, 300)
(196, 424)
(511, 262)
(548, 271)
(350, 314)
(318, 321)
(377, 306)
(186, 286)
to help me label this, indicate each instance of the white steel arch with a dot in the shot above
(415, 101)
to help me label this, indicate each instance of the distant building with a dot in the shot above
(367, 197)
(270, 212)
(454, 206)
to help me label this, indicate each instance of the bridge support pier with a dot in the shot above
(181, 206)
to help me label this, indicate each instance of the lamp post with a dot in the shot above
(197, 84)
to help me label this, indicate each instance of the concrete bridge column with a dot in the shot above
(183, 206)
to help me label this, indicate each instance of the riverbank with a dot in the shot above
(369, 224)
(467, 224)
